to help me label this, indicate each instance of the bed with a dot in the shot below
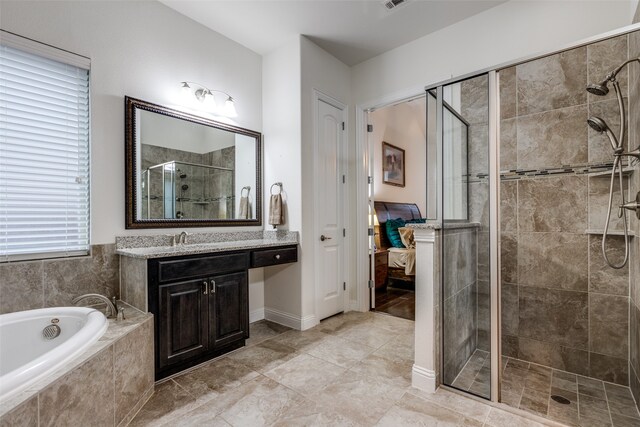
(401, 261)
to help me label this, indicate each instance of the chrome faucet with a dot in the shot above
(113, 310)
(182, 239)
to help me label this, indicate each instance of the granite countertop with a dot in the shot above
(147, 247)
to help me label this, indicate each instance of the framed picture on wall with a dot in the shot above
(392, 165)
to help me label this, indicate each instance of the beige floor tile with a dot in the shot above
(312, 414)
(500, 418)
(340, 351)
(368, 335)
(340, 322)
(258, 402)
(305, 373)
(469, 407)
(393, 324)
(168, 403)
(397, 373)
(210, 380)
(263, 330)
(264, 356)
(401, 347)
(301, 340)
(360, 399)
(414, 411)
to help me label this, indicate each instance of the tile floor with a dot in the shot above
(529, 387)
(396, 302)
(351, 370)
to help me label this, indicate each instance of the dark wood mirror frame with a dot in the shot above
(131, 222)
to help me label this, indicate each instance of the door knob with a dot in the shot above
(323, 238)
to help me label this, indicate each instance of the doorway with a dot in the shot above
(397, 149)
(330, 152)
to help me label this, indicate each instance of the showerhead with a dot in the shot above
(600, 126)
(599, 89)
(597, 124)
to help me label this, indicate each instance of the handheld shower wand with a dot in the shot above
(599, 125)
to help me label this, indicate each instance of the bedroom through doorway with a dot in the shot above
(397, 147)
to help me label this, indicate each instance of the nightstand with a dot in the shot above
(381, 258)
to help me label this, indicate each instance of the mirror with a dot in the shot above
(184, 170)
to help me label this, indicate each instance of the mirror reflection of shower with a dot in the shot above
(600, 125)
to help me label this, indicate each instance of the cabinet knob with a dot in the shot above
(213, 286)
(206, 287)
(277, 256)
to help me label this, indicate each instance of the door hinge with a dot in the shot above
(370, 232)
(344, 286)
(344, 232)
(370, 284)
(369, 128)
(342, 125)
(369, 179)
(344, 179)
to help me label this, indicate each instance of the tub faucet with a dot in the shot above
(182, 239)
(113, 311)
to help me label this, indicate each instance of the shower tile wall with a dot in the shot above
(460, 306)
(561, 306)
(203, 183)
(475, 110)
(634, 186)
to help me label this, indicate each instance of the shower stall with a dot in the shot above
(539, 180)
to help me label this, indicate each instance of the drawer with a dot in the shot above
(266, 257)
(181, 269)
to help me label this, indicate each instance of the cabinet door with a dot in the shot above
(182, 321)
(228, 309)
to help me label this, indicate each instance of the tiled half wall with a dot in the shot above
(561, 305)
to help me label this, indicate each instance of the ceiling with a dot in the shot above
(351, 30)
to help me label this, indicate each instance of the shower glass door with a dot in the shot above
(463, 109)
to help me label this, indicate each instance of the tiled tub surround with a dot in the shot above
(106, 385)
(28, 285)
(562, 306)
(136, 250)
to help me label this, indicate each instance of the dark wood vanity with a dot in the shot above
(200, 301)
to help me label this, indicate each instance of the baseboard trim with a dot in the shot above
(308, 322)
(256, 315)
(423, 379)
(283, 318)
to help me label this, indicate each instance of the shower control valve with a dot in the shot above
(632, 206)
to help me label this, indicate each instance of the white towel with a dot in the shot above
(276, 213)
(244, 208)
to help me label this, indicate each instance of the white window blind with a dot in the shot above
(44, 152)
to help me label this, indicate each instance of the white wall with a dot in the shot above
(245, 170)
(322, 72)
(403, 125)
(504, 33)
(282, 163)
(142, 49)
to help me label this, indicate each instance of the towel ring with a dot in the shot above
(279, 184)
(242, 191)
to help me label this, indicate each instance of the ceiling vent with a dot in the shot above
(391, 4)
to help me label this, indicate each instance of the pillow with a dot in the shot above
(406, 235)
(392, 226)
(417, 221)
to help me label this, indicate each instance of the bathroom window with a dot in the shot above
(44, 151)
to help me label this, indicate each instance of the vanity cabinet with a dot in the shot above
(201, 303)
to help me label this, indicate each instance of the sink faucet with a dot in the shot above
(182, 239)
(113, 310)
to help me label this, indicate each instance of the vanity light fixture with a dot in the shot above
(204, 94)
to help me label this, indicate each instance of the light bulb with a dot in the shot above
(229, 109)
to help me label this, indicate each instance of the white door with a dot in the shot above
(329, 209)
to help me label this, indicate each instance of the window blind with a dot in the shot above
(44, 155)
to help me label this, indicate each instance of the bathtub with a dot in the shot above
(26, 355)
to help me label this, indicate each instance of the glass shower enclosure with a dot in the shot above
(458, 154)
